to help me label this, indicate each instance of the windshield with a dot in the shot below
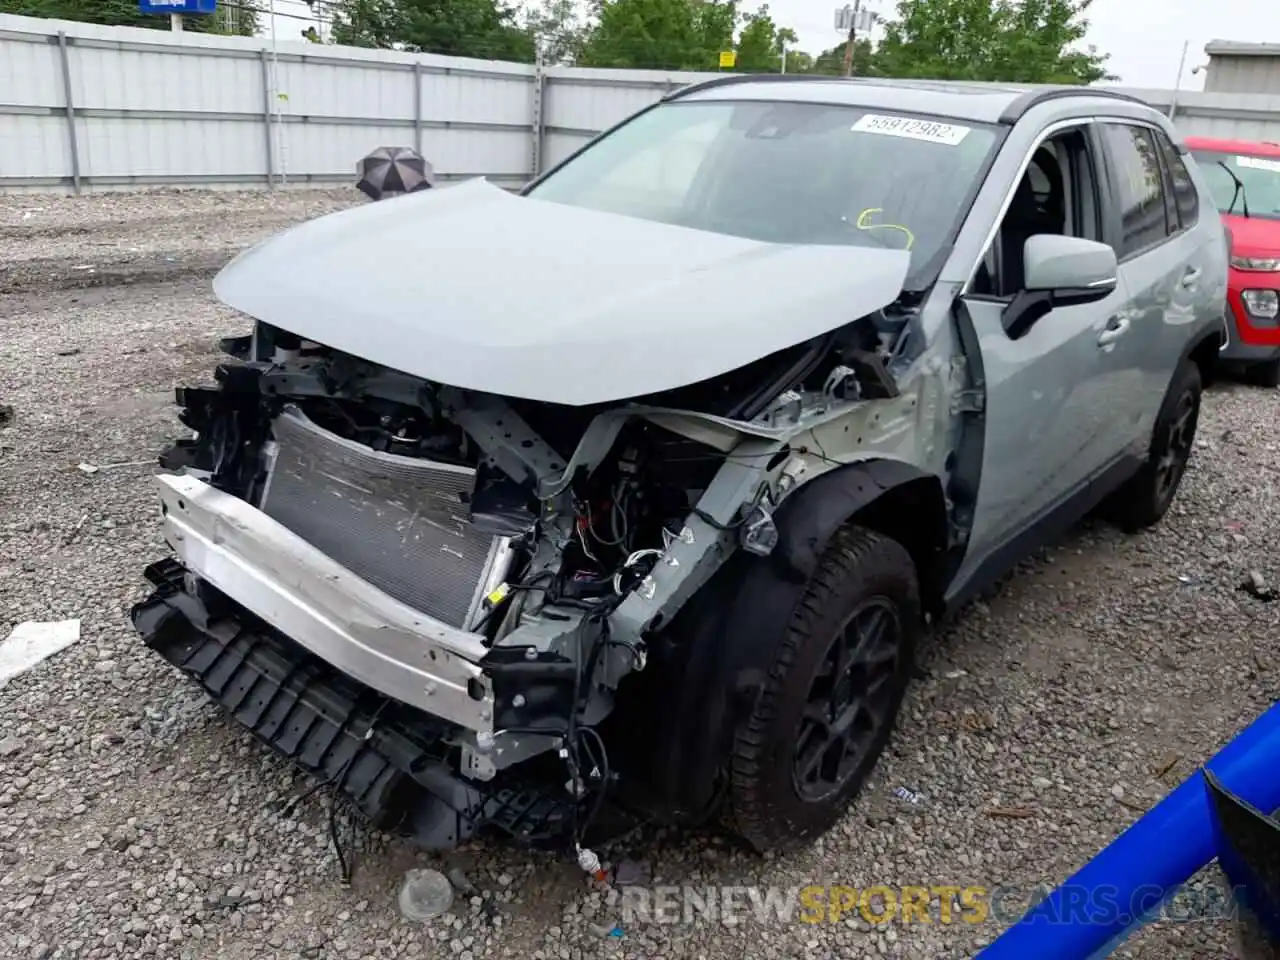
(1259, 177)
(793, 173)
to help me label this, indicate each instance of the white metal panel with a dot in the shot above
(471, 98)
(146, 71)
(34, 147)
(124, 147)
(331, 148)
(578, 106)
(30, 74)
(470, 152)
(109, 79)
(335, 148)
(329, 90)
(557, 146)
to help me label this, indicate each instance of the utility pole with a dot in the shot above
(1177, 84)
(853, 38)
(276, 95)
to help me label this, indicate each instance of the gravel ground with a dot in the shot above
(135, 821)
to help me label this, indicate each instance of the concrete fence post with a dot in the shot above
(72, 140)
(538, 121)
(417, 107)
(268, 113)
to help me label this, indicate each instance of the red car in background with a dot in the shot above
(1244, 179)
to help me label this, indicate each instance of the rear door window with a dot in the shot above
(1186, 198)
(1136, 177)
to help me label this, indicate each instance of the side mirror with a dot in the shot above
(1069, 267)
(1059, 272)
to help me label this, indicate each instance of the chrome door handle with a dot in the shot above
(1116, 328)
(1190, 277)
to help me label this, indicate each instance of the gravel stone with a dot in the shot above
(136, 821)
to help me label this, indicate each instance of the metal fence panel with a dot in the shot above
(29, 71)
(35, 149)
(86, 106)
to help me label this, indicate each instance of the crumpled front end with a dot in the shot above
(394, 764)
(429, 597)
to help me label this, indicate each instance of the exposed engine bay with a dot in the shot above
(413, 589)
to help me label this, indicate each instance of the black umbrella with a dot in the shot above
(392, 170)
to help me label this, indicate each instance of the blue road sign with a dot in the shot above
(188, 8)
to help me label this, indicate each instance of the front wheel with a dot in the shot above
(1145, 498)
(837, 681)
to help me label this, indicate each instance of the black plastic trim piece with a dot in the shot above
(809, 518)
(390, 761)
(966, 473)
(1033, 98)
(1047, 528)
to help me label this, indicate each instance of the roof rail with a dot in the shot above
(1033, 98)
(736, 78)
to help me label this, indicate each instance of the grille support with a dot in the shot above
(400, 523)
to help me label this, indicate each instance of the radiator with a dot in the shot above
(401, 523)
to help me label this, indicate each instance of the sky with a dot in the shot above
(1144, 37)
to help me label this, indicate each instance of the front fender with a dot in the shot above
(810, 517)
(710, 665)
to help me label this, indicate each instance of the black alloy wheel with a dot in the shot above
(1180, 434)
(849, 702)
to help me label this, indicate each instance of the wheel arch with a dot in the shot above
(891, 497)
(709, 665)
(1203, 352)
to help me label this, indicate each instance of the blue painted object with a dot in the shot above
(1122, 887)
(1248, 843)
(188, 8)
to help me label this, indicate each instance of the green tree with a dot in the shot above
(1012, 41)
(761, 42)
(557, 28)
(659, 34)
(798, 61)
(461, 28)
(831, 62)
(124, 13)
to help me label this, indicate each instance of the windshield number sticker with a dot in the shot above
(1259, 163)
(929, 130)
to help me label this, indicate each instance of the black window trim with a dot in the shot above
(1097, 175)
(1172, 215)
(1171, 183)
(1185, 157)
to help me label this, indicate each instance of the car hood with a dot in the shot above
(1253, 236)
(481, 289)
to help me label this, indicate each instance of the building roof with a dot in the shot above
(1239, 48)
(980, 102)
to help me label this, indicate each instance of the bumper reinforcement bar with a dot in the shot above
(387, 759)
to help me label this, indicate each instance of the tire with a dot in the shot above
(864, 579)
(1144, 499)
(1266, 374)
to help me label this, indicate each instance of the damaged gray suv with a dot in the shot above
(627, 497)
